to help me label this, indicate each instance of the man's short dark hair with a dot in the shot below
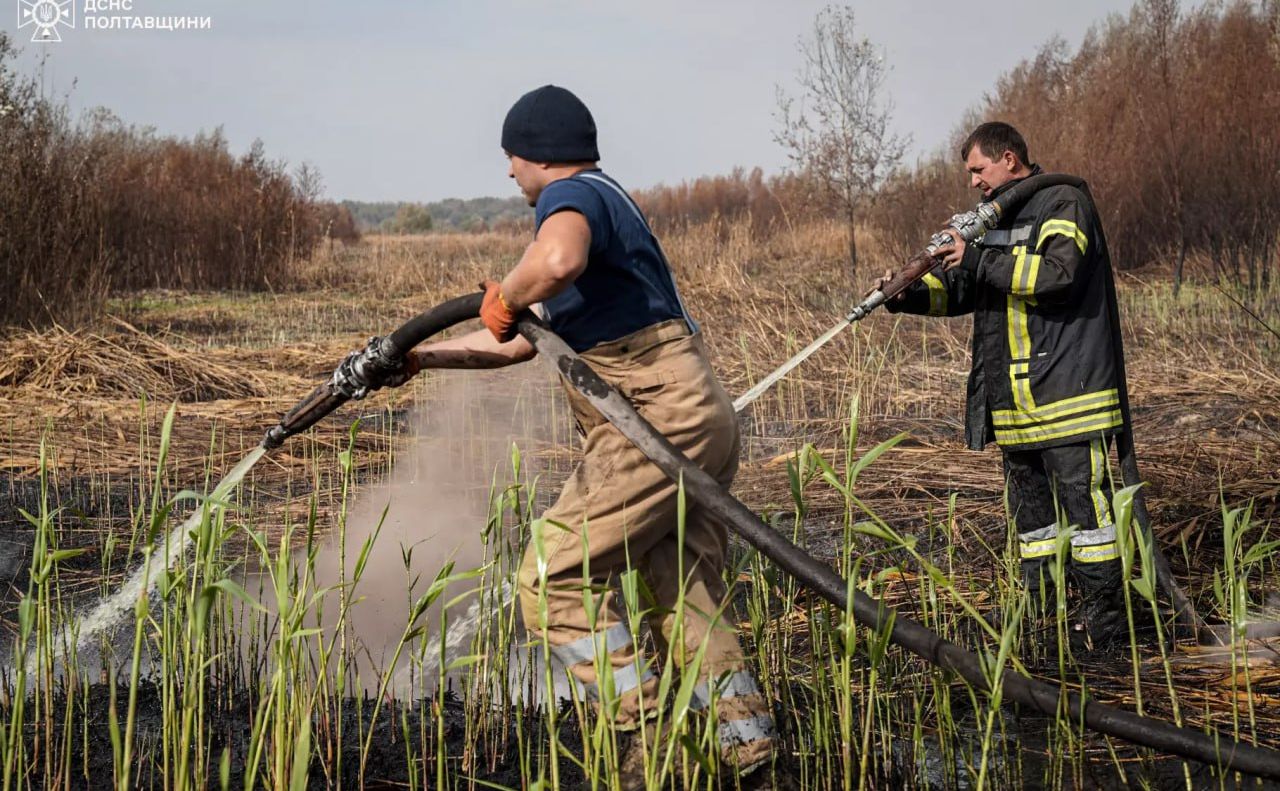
(993, 139)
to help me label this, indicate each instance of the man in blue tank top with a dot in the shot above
(599, 277)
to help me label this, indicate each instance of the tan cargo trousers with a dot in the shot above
(619, 511)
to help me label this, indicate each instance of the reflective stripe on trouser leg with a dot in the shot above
(733, 685)
(743, 714)
(586, 649)
(626, 678)
(580, 658)
(745, 731)
(1094, 546)
(1036, 549)
(1096, 566)
(1097, 476)
(1038, 543)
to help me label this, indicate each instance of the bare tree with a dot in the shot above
(838, 130)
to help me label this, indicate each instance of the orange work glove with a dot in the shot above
(495, 313)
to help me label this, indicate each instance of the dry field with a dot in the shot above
(1205, 379)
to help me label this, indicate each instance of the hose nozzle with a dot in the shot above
(360, 373)
(969, 226)
(874, 300)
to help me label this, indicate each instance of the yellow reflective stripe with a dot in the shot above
(1095, 554)
(1019, 265)
(1063, 228)
(1025, 269)
(1082, 425)
(1038, 549)
(1033, 269)
(1012, 308)
(1023, 394)
(1019, 336)
(937, 295)
(1020, 385)
(1097, 466)
(1048, 413)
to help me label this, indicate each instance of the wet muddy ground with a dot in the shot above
(413, 728)
(405, 729)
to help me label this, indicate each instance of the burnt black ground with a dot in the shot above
(229, 727)
(388, 760)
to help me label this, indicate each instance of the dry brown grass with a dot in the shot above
(1203, 373)
(128, 363)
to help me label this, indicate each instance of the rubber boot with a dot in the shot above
(1104, 620)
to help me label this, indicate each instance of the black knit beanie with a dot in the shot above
(550, 124)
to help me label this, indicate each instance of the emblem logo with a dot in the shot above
(46, 16)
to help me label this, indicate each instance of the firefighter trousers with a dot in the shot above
(1067, 485)
(618, 512)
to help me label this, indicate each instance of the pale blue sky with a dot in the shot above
(404, 101)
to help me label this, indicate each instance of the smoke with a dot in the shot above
(436, 503)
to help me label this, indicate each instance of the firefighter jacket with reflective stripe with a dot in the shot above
(1044, 351)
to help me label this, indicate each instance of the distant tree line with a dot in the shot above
(468, 215)
(740, 194)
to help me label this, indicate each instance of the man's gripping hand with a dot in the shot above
(953, 254)
(497, 316)
(880, 285)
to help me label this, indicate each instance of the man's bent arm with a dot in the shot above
(554, 260)
(476, 349)
(1051, 269)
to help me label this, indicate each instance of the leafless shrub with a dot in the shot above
(838, 132)
(95, 205)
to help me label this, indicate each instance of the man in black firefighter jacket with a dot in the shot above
(1044, 384)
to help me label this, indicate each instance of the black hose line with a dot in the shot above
(1222, 752)
(362, 371)
(1018, 194)
(423, 326)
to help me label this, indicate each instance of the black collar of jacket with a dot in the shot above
(1036, 170)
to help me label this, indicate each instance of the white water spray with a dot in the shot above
(111, 610)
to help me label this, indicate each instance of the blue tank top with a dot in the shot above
(627, 284)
